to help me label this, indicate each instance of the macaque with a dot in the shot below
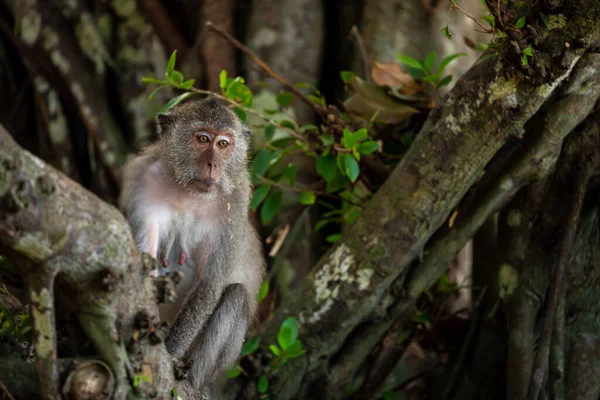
(187, 200)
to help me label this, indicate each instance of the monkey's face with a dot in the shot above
(206, 145)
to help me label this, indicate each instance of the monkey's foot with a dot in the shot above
(165, 262)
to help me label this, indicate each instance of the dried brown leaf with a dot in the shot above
(390, 74)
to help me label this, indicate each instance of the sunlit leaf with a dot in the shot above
(307, 198)
(521, 22)
(171, 63)
(444, 63)
(174, 101)
(368, 147)
(446, 32)
(264, 290)
(429, 60)
(351, 167)
(411, 62)
(347, 76)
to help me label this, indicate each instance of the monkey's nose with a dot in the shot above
(212, 164)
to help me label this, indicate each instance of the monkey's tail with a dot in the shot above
(221, 341)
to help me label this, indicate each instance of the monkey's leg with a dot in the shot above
(41, 295)
(218, 347)
(98, 322)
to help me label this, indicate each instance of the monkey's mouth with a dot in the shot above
(203, 184)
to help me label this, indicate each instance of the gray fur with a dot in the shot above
(210, 320)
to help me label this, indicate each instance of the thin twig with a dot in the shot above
(360, 44)
(249, 110)
(4, 389)
(320, 110)
(486, 30)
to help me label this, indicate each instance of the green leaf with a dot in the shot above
(307, 198)
(264, 290)
(171, 63)
(524, 60)
(269, 131)
(240, 113)
(284, 337)
(429, 60)
(333, 238)
(234, 371)
(528, 51)
(485, 5)
(284, 99)
(446, 32)
(348, 139)
(151, 95)
(188, 84)
(271, 206)
(289, 174)
(351, 166)
(259, 194)
(341, 163)
(309, 127)
(544, 18)
(421, 317)
(223, 79)
(176, 77)
(326, 167)
(174, 101)
(361, 134)
(275, 350)
(337, 183)
(489, 19)
(444, 63)
(250, 345)
(137, 379)
(316, 99)
(239, 92)
(352, 215)
(153, 80)
(287, 124)
(263, 384)
(347, 76)
(411, 62)
(520, 22)
(390, 395)
(368, 147)
(444, 81)
(295, 349)
(444, 284)
(292, 324)
(261, 161)
(319, 225)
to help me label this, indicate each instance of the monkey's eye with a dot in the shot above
(202, 138)
(223, 143)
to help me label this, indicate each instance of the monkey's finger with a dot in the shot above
(182, 257)
(163, 254)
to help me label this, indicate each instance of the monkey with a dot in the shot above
(187, 197)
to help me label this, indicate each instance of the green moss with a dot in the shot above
(556, 21)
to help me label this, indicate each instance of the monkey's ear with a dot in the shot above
(163, 121)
